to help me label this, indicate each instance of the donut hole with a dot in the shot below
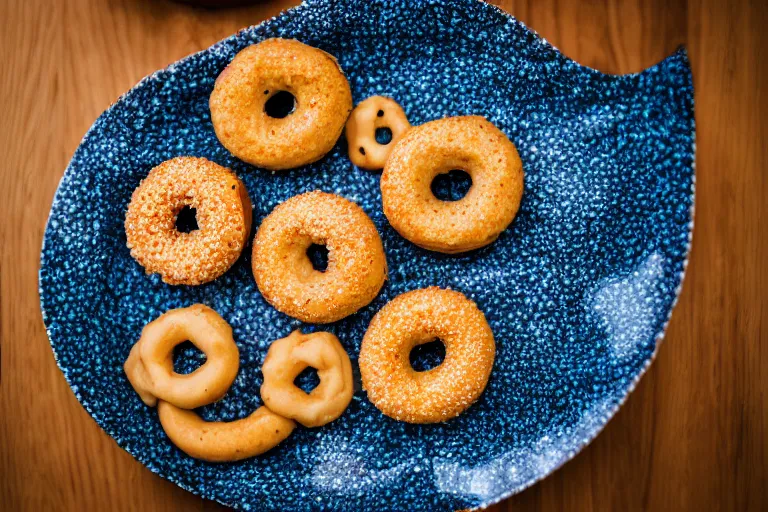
(427, 356)
(307, 380)
(452, 185)
(186, 220)
(187, 358)
(280, 105)
(383, 135)
(318, 255)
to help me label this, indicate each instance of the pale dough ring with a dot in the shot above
(150, 367)
(218, 441)
(287, 357)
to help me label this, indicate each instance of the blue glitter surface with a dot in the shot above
(577, 291)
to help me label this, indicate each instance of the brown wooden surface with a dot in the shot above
(691, 437)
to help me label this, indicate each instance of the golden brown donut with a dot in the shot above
(150, 365)
(471, 144)
(287, 358)
(218, 441)
(223, 214)
(371, 114)
(415, 318)
(239, 108)
(284, 274)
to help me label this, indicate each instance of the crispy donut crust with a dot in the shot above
(223, 213)
(469, 143)
(357, 267)
(415, 318)
(323, 100)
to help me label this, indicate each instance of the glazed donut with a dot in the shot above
(218, 441)
(471, 144)
(284, 274)
(223, 214)
(287, 358)
(374, 113)
(415, 318)
(150, 365)
(262, 75)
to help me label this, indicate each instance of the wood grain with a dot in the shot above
(691, 437)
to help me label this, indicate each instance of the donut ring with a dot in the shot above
(150, 365)
(415, 318)
(239, 105)
(371, 114)
(218, 441)
(287, 358)
(223, 213)
(357, 267)
(469, 143)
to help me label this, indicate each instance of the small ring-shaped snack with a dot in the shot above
(150, 364)
(287, 358)
(286, 278)
(374, 113)
(415, 318)
(471, 144)
(222, 211)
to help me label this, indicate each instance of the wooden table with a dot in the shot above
(691, 437)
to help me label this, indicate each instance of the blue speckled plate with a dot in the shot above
(578, 290)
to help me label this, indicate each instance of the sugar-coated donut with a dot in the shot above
(376, 112)
(356, 270)
(415, 318)
(223, 215)
(287, 358)
(217, 441)
(149, 366)
(471, 144)
(247, 126)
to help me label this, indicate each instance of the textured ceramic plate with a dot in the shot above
(577, 291)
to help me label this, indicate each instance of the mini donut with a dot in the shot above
(356, 270)
(415, 318)
(150, 365)
(371, 114)
(287, 358)
(471, 144)
(244, 92)
(217, 441)
(223, 214)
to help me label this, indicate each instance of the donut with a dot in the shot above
(217, 441)
(415, 318)
(287, 358)
(149, 369)
(372, 114)
(222, 212)
(356, 270)
(471, 144)
(280, 104)
(149, 366)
